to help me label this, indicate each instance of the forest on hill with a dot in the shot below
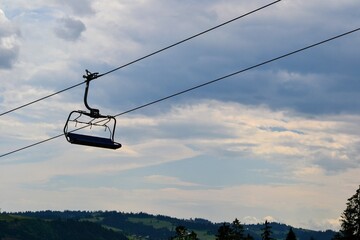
(112, 225)
(17, 227)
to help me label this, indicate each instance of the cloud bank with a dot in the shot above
(9, 42)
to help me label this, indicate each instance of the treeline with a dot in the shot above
(135, 225)
(235, 231)
(158, 227)
(56, 225)
(60, 229)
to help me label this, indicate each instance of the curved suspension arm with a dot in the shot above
(95, 113)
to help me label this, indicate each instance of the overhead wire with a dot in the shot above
(41, 99)
(202, 85)
(194, 36)
(237, 72)
(144, 57)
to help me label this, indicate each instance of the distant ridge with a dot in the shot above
(138, 226)
(18, 227)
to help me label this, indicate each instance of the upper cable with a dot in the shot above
(201, 85)
(142, 58)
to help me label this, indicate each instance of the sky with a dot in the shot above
(278, 142)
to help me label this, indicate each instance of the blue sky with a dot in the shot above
(278, 142)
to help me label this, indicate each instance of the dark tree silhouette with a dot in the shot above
(192, 236)
(183, 234)
(266, 235)
(249, 237)
(350, 219)
(181, 231)
(233, 231)
(291, 235)
(237, 230)
(337, 236)
(225, 232)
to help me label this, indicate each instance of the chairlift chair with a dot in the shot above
(94, 118)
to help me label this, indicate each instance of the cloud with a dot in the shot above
(261, 133)
(79, 7)
(325, 224)
(251, 220)
(69, 29)
(270, 219)
(255, 220)
(9, 42)
(167, 180)
(165, 171)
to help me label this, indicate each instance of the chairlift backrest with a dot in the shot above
(75, 134)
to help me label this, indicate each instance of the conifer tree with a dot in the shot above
(233, 231)
(192, 236)
(291, 235)
(350, 219)
(225, 232)
(183, 234)
(237, 230)
(337, 236)
(266, 235)
(249, 237)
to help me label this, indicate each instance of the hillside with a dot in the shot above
(26, 228)
(138, 226)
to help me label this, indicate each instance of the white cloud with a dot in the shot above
(168, 180)
(270, 219)
(266, 134)
(9, 42)
(251, 220)
(325, 224)
(70, 29)
(80, 7)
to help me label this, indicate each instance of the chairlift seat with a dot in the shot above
(93, 114)
(86, 140)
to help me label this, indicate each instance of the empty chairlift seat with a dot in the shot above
(92, 141)
(90, 119)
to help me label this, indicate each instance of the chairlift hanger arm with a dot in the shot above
(95, 113)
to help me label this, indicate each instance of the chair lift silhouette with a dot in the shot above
(94, 114)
